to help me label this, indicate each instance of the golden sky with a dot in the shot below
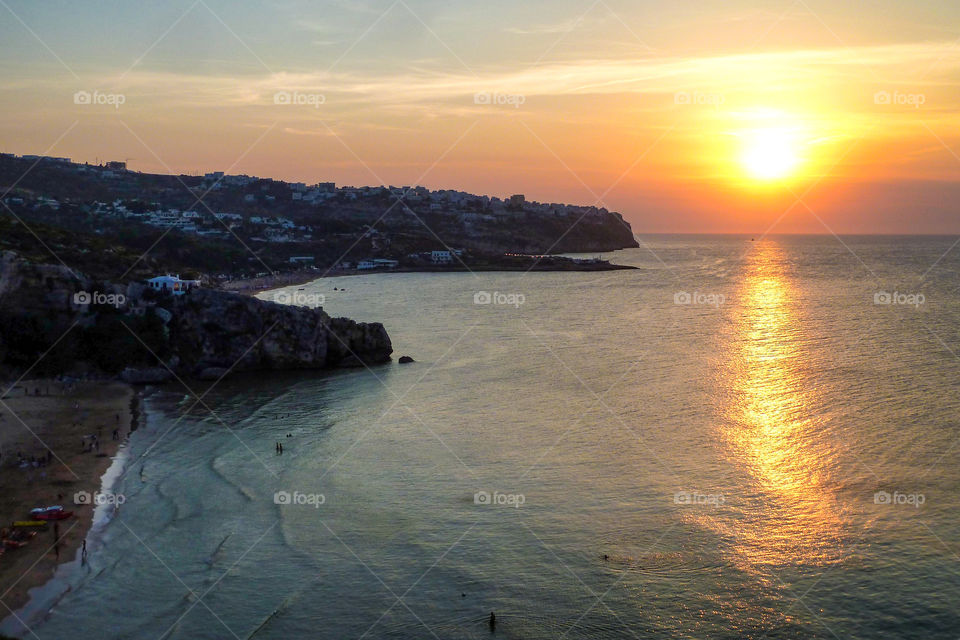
(713, 116)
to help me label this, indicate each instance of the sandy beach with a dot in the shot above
(52, 446)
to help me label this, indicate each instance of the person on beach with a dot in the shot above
(493, 621)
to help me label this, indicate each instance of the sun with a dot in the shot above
(769, 154)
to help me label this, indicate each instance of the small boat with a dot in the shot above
(29, 523)
(18, 538)
(50, 513)
(54, 515)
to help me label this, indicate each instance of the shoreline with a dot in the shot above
(253, 286)
(62, 419)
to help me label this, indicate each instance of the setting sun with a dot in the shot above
(769, 154)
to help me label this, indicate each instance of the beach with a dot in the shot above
(254, 286)
(58, 425)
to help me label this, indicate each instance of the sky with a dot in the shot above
(715, 116)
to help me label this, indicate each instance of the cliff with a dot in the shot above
(59, 321)
(217, 329)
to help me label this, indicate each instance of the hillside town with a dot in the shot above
(299, 225)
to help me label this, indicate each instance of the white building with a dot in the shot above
(172, 284)
(441, 257)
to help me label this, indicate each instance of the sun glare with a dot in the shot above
(769, 154)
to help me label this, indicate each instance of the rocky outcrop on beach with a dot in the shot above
(144, 337)
(216, 329)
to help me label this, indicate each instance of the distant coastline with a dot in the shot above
(107, 220)
(253, 286)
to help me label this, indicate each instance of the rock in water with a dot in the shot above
(405, 359)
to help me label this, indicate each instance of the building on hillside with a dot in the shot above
(172, 284)
(441, 257)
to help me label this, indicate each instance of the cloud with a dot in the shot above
(821, 73)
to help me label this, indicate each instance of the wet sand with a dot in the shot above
(57, 420)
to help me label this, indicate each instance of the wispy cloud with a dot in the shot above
(820, 72)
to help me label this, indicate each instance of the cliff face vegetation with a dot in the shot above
(58, 321)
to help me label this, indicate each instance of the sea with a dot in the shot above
(740, 438)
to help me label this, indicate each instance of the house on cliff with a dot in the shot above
(172, 284)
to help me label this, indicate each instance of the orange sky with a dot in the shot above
(646, 109)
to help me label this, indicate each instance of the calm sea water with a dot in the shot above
(737, 440)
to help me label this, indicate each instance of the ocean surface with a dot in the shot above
(738, 439)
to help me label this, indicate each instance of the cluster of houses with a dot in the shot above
(467, 207)
(268, 229)
(441, 257)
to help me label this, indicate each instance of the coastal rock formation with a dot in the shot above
(138, 334)
(218, 330)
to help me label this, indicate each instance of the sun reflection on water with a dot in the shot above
(772, 429)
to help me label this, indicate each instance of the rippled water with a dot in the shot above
(694, 470)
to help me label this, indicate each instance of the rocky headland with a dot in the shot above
(89, 327)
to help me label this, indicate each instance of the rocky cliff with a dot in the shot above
(111, 328)
(217, 329)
